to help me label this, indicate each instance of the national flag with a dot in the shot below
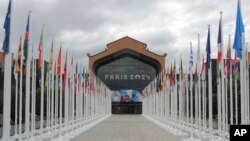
(6, 26)
(208, 49)
(26, 39)
(236, 67)
(191, 61)
(203, 68)
(26, 44)
(17, 68)
(219, 42)
(51, 58)
(239, 30)
(40, 49)
(181, 69)
(227, 64)
(19, 54)
(196, 74)
(171, 77)
(59, 61)
(65, 70)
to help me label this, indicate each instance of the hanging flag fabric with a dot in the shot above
(17, 68)
(40, 48)
(196, 74)
(171, 76)
(203, 69)
(59, 60)
(6, 26)
(51, 58)
(65, 71)
(239, 30)
(19, 55)
(236, 67)
(208, 49)
(227, 64)
(26, 39)
(191, 61)
(26, 45)
(219, 42)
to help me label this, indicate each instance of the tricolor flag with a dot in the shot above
(219, 42)
(6, 26)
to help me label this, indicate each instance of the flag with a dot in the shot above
(59, 60)
(181, 69)
(40, 48)
(51, 58)
(239, 30)
(203, 68)
(19, 54)
(208, 49)
(196, 74)
(171, 76)
(191, 61)
(26, 45)
(17, 68)
(219, 42)
(65, 71)
(236, 67)
(26, 39)
(6, 26)
(227, 64)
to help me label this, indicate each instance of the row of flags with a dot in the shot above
(85, 96)
(188, 100)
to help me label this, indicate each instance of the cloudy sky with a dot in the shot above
(83, 26)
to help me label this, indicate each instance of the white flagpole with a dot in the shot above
(53, 100)
(61, 85)
(32, 95)
(42, 94)
(21, 95)
(16, 98)
(56, 98)
(7, 86)
(199, 83)
(191, 95)
(231, 95)
(236, 99)
(66, 100)
(27, 96)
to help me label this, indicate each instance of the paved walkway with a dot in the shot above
(126, 128)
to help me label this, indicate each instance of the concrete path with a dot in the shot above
(126, 128)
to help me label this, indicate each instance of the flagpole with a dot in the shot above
(21, 95)
(60, 119)
(16, 98)
(42, 93)
(191, 92)
(32, 95)
(7, 75)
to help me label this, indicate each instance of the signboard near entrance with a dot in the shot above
(126, 72)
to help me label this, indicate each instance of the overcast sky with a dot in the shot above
(84, 26)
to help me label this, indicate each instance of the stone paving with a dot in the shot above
(126, 128)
